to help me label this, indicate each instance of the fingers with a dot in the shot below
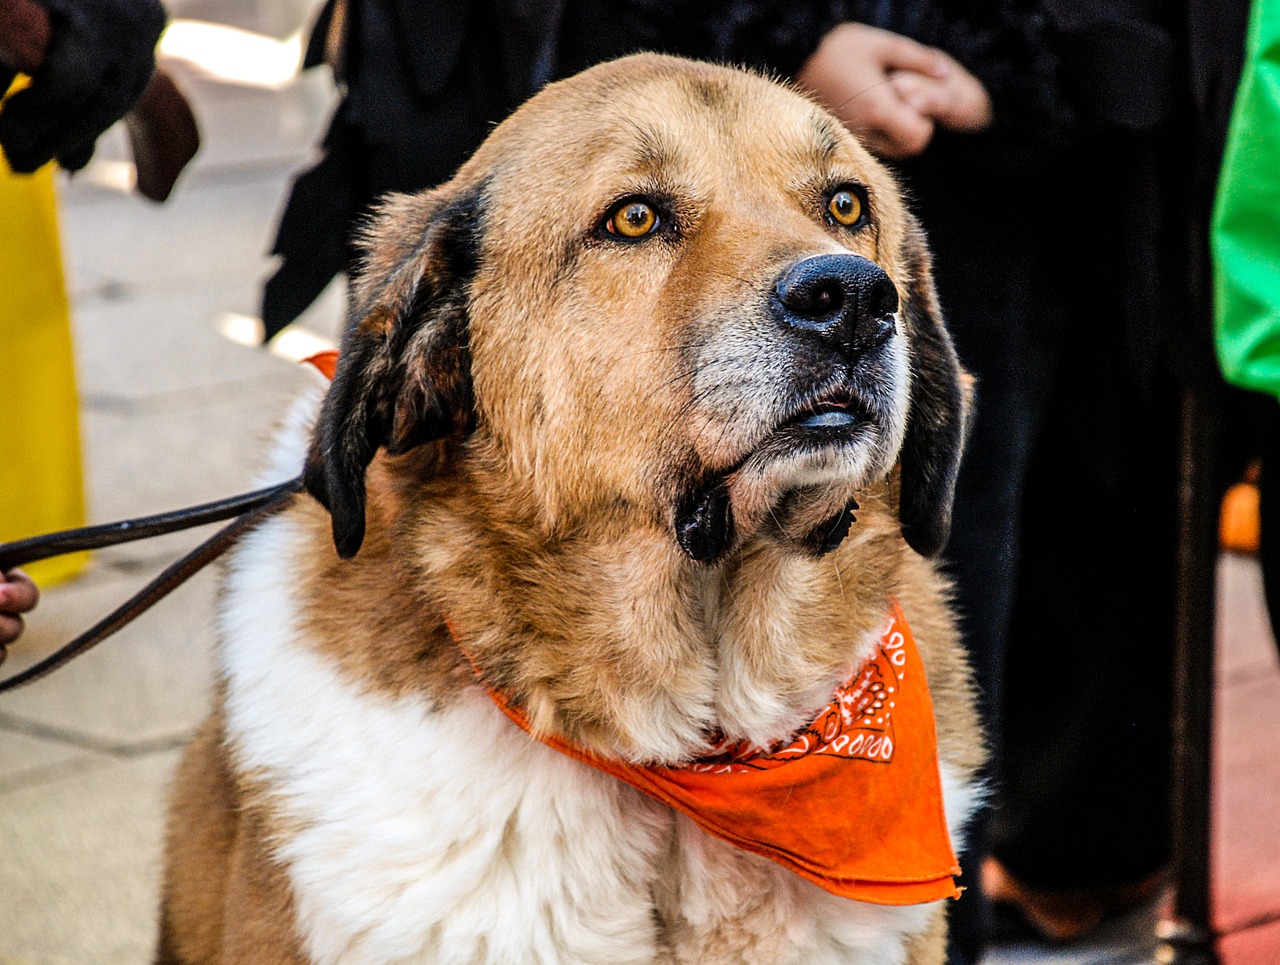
(17, 595)
(896, 133)
(34, 120)
(851, 75)
(10, 629)
(970, 109)
(855, 42)
(885, 123)
(959, 103)
(902, 53)
(922, 94)
(75, 158)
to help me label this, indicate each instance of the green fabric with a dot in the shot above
(1246, 223)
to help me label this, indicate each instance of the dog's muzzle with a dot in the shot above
(846, 303)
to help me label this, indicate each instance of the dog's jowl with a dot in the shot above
(606, 631)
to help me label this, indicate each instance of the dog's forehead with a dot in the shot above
(651, 115)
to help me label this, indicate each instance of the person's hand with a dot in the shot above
(99, 58)
(17, 595)
(851, 74)
(957, 101)
(892, 91)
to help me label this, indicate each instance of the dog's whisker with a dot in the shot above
(853, 97)
(686, 376)
(724, 385)
(724, 424)
(728, 274)
(688, 406)
(683, 347)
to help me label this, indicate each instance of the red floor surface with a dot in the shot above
(1246, 833)
(1253, 946)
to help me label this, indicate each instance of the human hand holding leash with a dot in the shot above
(18, 595)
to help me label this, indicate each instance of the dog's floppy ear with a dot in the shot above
(938, 415)
(403, 375)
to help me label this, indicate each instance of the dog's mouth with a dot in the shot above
(801, 450)
(832, 418)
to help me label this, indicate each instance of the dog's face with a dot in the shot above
(660, 288)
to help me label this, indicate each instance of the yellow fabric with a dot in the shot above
(40, 475)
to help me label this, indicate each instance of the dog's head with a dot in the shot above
(664, 288)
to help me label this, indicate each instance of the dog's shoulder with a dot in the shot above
(375, 787)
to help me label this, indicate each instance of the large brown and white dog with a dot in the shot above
(604, 409)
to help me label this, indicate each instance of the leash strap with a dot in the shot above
(97, 537)
(248, 509)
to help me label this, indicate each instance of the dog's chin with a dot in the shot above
(796, 487)
(799, 485)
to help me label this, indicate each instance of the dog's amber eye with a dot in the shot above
(633, 219)
(845, 207)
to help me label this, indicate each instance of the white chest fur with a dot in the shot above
(447, 835)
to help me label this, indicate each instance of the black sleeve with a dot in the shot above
(1061, 71)
(1009, 45)
(1012, 47)
(772, 37)
(100, 57)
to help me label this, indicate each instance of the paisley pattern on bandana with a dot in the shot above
(857, 724)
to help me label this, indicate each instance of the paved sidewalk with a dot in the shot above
(176, 412)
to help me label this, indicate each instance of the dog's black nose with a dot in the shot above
(845, 300)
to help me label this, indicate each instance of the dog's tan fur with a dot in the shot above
(546, 424)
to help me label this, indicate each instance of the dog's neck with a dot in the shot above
(615, 640)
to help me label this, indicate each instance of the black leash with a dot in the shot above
(248, 509)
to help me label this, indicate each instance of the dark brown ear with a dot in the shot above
(403, 375)
(937, 419)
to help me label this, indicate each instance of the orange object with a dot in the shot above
(852, 803)
(1239, 525)
(326, 362)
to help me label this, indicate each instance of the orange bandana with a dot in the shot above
(326, 362)
(853, 802)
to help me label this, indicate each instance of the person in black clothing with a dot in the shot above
(89, 61)
(1039, 143)
(421, 92)
(1060, 279)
